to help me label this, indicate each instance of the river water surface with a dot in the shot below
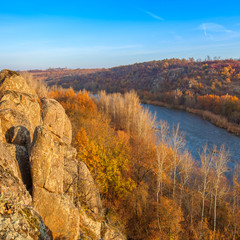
(198, 132)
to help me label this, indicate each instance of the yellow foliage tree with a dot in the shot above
(109, 164)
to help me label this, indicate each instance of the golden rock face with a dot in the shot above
(38, 167)
(34, 140)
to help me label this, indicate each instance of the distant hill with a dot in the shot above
(55, 73)
(207, 77)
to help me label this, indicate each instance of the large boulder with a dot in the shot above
(10, 173)
(56, 120)
(50, 162)
(24, 103)
(16, 158)
(9, 158)
(18, 135)
(58, 213)
(47, 161)
(87, 191)
(10, 119)
(10, 80)
(19, 108)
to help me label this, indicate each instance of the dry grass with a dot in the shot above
(38, 85)
(217, 120)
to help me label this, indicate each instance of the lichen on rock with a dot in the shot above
(19, 221)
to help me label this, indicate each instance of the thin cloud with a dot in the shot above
(153, 15)
(213, 28)
(204, 30)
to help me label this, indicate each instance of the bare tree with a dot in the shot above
(220, 161)
(186, 167)
(161, 154)
(236, 198)
(206, 165)
(161, 159)
(177, 144)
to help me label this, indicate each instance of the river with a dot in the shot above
(198, 132)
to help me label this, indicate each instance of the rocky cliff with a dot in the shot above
(46, 193)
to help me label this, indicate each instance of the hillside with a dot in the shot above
(61, 72)
(208, 77)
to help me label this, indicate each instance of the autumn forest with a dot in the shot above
(151, 186)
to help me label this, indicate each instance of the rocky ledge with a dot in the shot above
(43, 186)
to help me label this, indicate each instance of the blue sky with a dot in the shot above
(88, 34)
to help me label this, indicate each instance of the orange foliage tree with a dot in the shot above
(74, 102)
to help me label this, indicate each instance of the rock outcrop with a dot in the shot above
(88, 194)
(15, 157)
(47, 161)
(38, 166)
(26, 104)
(10, 180)
(10, 80)
(19, 108)
(56, 120)
(11, 119)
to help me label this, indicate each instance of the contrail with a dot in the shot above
(204, 30)
(154, 15)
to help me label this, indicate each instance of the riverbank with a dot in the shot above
(217, 120)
